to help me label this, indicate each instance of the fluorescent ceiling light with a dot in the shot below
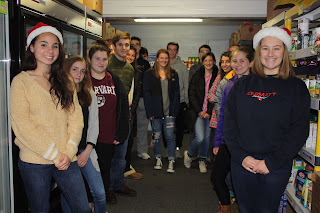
(168, 20)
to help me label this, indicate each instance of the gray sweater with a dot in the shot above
(93, 128)
(183, 74)
(217, 99)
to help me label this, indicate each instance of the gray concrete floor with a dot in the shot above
(185, 191)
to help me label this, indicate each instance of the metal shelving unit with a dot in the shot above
(303, 53)
(309, 10)
(309, 155)
(294, 201)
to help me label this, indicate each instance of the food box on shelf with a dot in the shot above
(247, 31)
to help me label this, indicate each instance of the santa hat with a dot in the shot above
(42, 28)
(277, 32)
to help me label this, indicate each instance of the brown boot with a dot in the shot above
(225, 209)
(238, 209)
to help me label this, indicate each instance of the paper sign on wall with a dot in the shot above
(3, 7)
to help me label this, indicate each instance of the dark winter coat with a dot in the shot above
(153, 94)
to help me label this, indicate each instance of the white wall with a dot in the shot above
(189, 37)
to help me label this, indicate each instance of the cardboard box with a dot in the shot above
(315, 204)
(247, 31)
(107, 31)
(273, 12)
(95, 5)
(234, 39)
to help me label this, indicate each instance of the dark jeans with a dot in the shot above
(220, 170)
(37, 181)
(179, 126)
(259, 193)
(118, 165)
(105, 153)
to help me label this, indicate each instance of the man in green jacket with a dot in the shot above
(118, 65)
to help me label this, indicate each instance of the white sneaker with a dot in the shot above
(158, 165)
(187, 160)
(171, 166)
(202, 166)
(179, 153)
(144, 156)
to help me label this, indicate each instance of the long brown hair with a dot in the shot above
(85, 85)
(61, 85)
(156, 65)
(221, 72)
(285, 70)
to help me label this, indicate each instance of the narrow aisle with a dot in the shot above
(160, 192)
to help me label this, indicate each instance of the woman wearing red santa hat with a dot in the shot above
(266, 123)
(47, 121)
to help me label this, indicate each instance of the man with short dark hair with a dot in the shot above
(182, 70)
(203, 49)
(142, 120)
(118, 65)
(142, 64)
(144, 53)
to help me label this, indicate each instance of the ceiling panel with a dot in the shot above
(185, 8)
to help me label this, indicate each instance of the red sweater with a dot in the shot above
(107, 102)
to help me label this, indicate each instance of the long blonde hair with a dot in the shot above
(156, 65)
(285, 70)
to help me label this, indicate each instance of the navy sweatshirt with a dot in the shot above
(267, 117)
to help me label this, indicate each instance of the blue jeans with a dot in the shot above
(95, 183)
(118, 165)
(37, 180)
(202, 133)
(167, 125)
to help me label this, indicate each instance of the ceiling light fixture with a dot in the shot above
(168, 20)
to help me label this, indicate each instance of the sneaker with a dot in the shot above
(179, 153)
(187, 160)
(144, 156)
(202, 166)
(171, 166)
(158, 165)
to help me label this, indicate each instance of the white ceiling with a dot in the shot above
(185, 8)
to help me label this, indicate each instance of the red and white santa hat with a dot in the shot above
(280, 33)
(42, 28)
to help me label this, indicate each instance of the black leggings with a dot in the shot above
(220, 170)
(105, 153)
(257, 192)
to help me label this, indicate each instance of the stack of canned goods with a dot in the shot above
(192, 61)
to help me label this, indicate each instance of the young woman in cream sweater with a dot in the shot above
(47, 121)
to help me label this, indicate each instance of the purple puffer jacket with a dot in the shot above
(218, 138)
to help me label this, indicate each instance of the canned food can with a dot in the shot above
(305, 41)
(294, 43)
(303, 26)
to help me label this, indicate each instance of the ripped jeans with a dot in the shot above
(168, 124)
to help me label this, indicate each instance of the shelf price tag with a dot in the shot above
(3, 7)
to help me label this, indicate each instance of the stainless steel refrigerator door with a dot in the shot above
(5, 139)
(73, 43)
